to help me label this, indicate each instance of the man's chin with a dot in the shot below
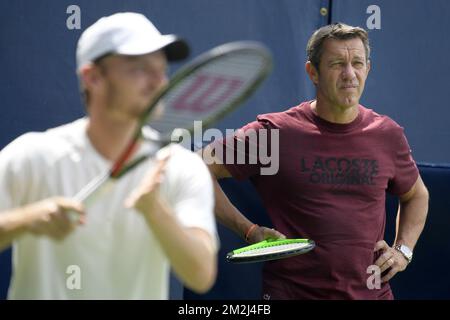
(349, 102)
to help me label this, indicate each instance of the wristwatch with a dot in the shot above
(405, 251)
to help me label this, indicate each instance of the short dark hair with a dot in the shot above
(339, 31)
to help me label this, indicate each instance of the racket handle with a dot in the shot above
(92, 190)
(86, 194)
(102, 184)
(74, 217)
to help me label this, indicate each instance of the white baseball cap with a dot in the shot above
(126, 33)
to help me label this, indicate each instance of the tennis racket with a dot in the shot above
(207, 89)
(271, 249)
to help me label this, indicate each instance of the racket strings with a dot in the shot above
(210, 89)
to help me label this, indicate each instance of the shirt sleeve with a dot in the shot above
(189, 188)
(406, 171)
(246, 152)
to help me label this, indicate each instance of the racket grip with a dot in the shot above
(89, 191)
(89, 198)
(74, 217)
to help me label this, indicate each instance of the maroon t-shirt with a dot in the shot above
(330, 187)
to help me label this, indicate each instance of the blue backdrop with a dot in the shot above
(408, 82)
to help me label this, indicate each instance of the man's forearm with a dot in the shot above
(12, 224)
(228, 214)
(411, 218)
(190, 251)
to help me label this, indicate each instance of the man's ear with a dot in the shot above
(369, 65)
(89, 76)
(312, 72)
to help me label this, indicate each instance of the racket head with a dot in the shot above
(210, 87)
(271, 249)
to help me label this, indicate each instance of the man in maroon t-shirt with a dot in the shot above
(336, 160)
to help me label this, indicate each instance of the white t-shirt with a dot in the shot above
(114, 255)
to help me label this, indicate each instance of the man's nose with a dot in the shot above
(348, 73)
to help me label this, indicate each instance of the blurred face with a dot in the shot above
(342, 72)
(130, 82)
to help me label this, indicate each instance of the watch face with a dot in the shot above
(406, 251)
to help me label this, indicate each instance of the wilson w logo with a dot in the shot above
(206, 92)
